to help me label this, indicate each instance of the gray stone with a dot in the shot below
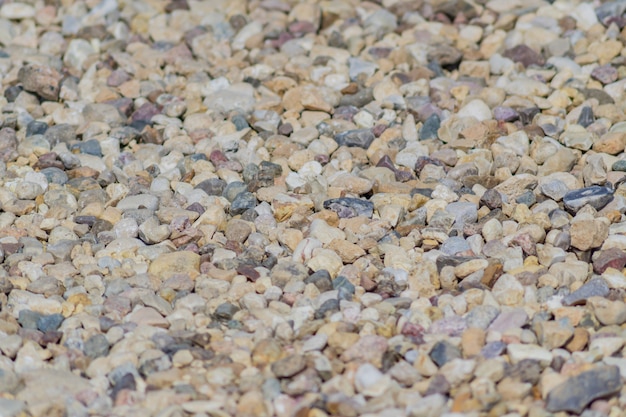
(579, 391)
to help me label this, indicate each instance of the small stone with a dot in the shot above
(577, 392)
(595, 287)
(288, 366)
(586, 116)
(525, 55)
(361, 138)
(518, 352)
(443, 352)
(596, 196)
(170, 264)
(610, 258)
(606, 74)
(430, 128)
(96, 346)
(588, 234)
(608, 312)
(347, 207)
(41, 80)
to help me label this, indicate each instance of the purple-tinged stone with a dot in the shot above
(610, 258)
(524, 241)
(345, 113)
(117, 78)
(378, 130)
(301, 27)
(379, 52)
(145, 113)
(493, 349)
(505, 114)
(451, 326)
(524, 55)
(510, 319)
(527, 115)
(124, 105)
(595, 288)
(606, 74)
(413, 331)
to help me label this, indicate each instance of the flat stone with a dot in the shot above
(579, 391)
(596, 196)
(593, 288)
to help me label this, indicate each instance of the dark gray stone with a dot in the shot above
(595, 287)
(321, 279)
(225, 311)
(596, 196)
(443, 352)
(328, 307)
(361, 138)
(233, 189)
(55, 175)
(212, 186)
(577, 392)
(586, 116)
(342, 282)
(348, 207)
(244, 201)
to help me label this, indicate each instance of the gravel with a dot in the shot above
(323, 208)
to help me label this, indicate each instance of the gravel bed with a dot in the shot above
(324, 208)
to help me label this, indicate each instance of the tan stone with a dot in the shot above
(169, 264)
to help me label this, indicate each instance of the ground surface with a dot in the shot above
(280, 208)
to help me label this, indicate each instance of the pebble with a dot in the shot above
(577, 392)
(595, 196)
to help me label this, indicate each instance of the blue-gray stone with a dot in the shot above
(240, 122)
(430, 127)
(481, 316)
(342, 282)
(586, 116)
(595, 287)
(348, 207)
(96, 346)
(493, 350)
(28, 319)
(454, 245)
(244, 201)
(528, 198)
(36, 128)
(443, 352)
(596, 196)
(232, 190)
(55, 175)
(619, 166)
(361, 138)
(577, 392)
(328, 307)
(50, 322)
(90, 147)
